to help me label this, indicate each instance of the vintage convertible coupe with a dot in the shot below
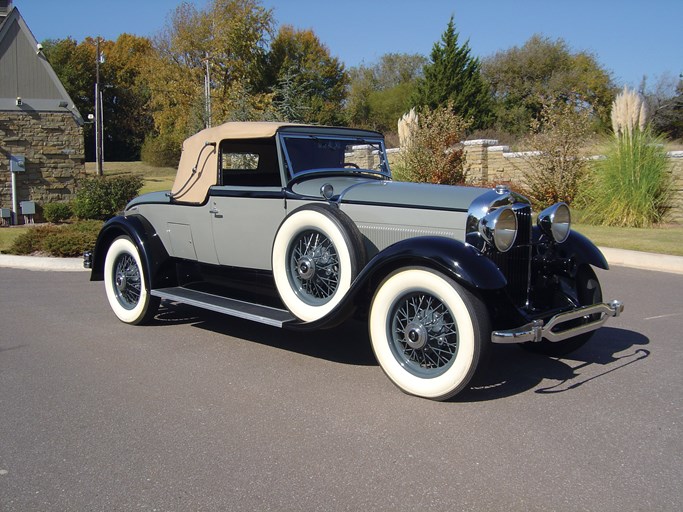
(302, 227)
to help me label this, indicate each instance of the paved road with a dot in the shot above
(201, 412)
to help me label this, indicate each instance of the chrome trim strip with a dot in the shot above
(536, 330)
(408, 206)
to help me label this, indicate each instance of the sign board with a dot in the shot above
(17, 163)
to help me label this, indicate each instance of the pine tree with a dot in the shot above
(453, 75)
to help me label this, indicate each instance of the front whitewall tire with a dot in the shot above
(442, 331)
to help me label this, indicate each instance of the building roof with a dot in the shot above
(27, 81)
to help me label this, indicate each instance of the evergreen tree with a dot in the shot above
(453, 75)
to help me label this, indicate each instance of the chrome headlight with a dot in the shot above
(555, 222)
(499, 228)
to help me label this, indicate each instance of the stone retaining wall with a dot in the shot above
(492, 163)
(52, 144)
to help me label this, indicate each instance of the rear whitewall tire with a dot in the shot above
(124, 282)
(338, 240)
(460, 333)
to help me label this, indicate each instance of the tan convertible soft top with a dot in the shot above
(198, 167)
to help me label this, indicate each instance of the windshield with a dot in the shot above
(308, 153)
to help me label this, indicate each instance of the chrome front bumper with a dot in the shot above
(552, 330)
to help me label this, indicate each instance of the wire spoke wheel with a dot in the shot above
(423, 334)
(314, 267)
(128, 281)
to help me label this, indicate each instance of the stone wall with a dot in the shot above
(492, 163)
(52, 144)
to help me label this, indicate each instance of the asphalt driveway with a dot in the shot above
(204, 412)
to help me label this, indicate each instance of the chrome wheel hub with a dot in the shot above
(306, 268)
(415, 335)
(120, 282)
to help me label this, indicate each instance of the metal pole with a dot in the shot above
(15, 203)
(98, 127)
(207, 93)
(101, 133)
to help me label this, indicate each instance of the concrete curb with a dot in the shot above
(643, 260)
(616, 257)
(42, 263)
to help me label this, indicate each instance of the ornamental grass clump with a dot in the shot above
(631, 186)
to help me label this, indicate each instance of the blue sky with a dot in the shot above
(630, 38)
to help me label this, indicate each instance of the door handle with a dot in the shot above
(214, 210)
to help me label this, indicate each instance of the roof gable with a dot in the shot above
(25, 72)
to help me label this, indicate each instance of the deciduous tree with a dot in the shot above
(434, 153)
(523, 78)
(307, 81)
(122, 81)
(379, 94)
(229, 38)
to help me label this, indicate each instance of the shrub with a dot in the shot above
(434, 154)
(57, 212)
(556, 168)
(160, 152)
(69, 240)
(102, 198)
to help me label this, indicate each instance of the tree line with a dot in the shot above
(154, 88)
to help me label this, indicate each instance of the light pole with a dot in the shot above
(99, 124)
(207, 93)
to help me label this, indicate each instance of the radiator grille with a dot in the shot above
(514, 264)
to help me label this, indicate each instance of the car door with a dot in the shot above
(248, 205)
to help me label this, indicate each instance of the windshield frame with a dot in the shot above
(374, 141)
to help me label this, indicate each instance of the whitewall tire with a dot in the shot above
(124, 282)
(317, 253)
(428, 332)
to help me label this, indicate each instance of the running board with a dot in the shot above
(233, 307)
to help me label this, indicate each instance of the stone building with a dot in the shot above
(40, 126)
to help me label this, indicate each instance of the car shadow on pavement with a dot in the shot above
(513, 370)
(346, 344)
(509, 371)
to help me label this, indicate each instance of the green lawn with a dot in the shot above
(663, 240)
(156, 178)
(7, 236)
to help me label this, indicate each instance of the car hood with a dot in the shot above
(388, 193)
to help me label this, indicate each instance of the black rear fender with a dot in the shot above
(152, 252)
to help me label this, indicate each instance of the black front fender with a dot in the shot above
(152, 252)
(451, 257)
(583, 251)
